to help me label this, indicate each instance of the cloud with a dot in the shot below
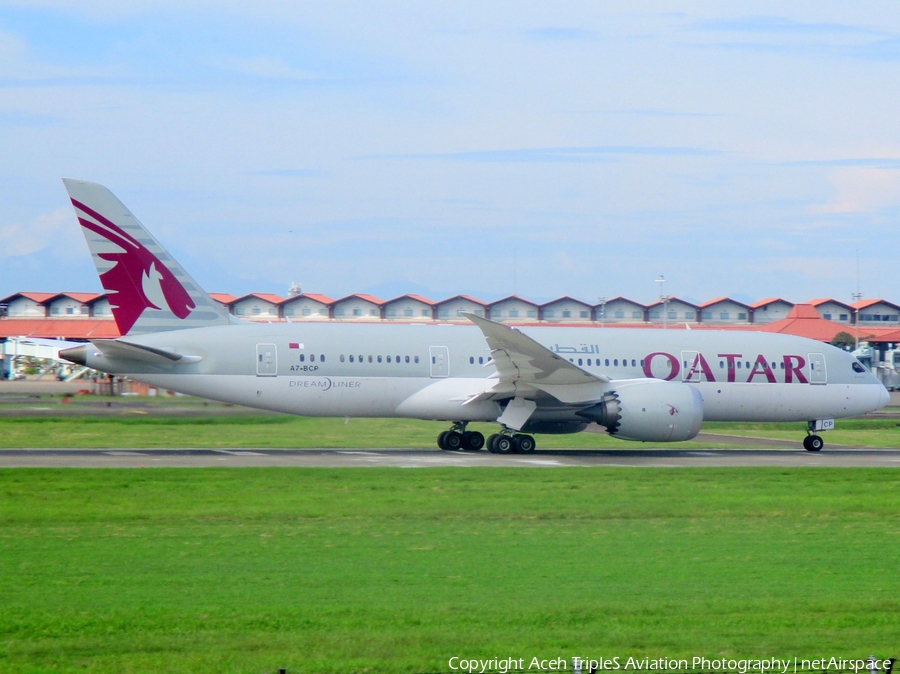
(561, 34)
(288, 173)
(781, 25)
(47, 231)
(574, 155)
(862, 189)
(270, 68)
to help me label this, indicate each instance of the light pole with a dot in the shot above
(857, 296)
(602, 302)
(665, 301)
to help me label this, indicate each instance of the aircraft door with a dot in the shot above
(818, 374)
(266, 360)
(440, 361)
(690, 366)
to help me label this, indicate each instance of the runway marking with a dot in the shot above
(123, 453)
(540, 462)
(239, 453)
(360, 453)
(703, 453)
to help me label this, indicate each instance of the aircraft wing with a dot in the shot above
(525, 367)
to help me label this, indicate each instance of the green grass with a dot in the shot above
(135, 429)
(386, 570)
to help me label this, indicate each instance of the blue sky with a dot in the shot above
(742, 149)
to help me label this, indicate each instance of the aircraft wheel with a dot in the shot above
(473, 441)
(453, 441)
(440, 439)
(491, 443)
(525, 443)
(504, 444)
(813, 443)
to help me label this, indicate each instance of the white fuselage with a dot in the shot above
(431, 371)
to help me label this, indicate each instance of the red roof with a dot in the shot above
(34, 297)
(417, 298)
(563, 299)
(265, 297)
(322, 299)
(769, 300)
(463, 297)
(623, 299)
(824, 300)
(670, 300)
(709, 303)
(361, 296)
(804, 320)
(862, 304)
(513, 297)
(223, 298)
(52, 329)
(84, 298)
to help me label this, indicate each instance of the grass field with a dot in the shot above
(385, 570)
(134, 429)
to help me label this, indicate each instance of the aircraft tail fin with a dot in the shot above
(148, 290)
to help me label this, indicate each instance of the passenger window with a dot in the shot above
(589, 362)
(379, 359)
(407, 359)
(351, 359)
(633, 363)
(389, 359)
(579, 361)
(481, 360)
(416, 359)
(616, 362)
(398, 359)
(370, 359)
(342, 358)
(360, 359)
(607, 362)
(302, 357)
(312, 358)
(471, 360)
(739, 365)
(322, 358)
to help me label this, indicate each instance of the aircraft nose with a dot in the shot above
(885, 397)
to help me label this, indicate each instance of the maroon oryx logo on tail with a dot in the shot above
(138, 280)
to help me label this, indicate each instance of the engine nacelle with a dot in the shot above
(649, 410)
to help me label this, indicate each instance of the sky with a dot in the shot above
(742, 149)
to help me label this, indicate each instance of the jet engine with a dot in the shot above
(649, 410)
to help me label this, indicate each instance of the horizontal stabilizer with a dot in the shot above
(118, 350)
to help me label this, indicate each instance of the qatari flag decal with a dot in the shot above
(295, 345)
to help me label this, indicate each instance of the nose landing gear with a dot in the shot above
(813, 442)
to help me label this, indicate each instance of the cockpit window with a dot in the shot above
(857, 367)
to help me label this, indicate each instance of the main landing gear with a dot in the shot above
(458, 438)
(505, 442)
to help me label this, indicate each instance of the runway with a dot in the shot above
(397, 458)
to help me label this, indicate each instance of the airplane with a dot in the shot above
(646, 385)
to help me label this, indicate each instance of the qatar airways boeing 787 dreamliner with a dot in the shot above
(644, 385)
